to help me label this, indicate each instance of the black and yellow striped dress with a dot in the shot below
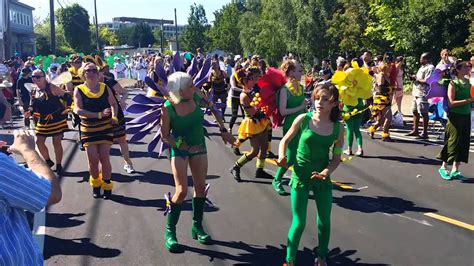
(118, 130)
(76, 79)
(48, 108)
(94, 130)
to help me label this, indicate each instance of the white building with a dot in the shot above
(167, 26)
(16, 29)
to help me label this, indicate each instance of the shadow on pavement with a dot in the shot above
(419, 160)
(270, 255)
(134, 154)
(131, 201)
(390, 205)
(160, 204)
(79, 246)
(63, 220)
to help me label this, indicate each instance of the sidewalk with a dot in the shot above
(435, 129)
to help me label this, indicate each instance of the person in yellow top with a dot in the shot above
(253, 127)
(97, 107)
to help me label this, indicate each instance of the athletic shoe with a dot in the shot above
(128, 168)
(458, 175)
(444, 173)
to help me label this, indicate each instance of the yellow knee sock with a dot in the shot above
(260, 163)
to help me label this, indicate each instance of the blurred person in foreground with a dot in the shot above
(23, 189)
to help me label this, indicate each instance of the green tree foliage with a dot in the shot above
(224, 34)
(142, 35)
(125, 35)
(416, 26)
(106, 36)
(157, 35)
(195, 34)
(75, 22)
(43, 41)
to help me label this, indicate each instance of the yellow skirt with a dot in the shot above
(248, 128)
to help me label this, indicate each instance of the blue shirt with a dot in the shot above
(20, 190)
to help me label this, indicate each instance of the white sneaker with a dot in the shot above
(128, 168)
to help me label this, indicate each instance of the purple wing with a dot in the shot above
(203, 74)
(138, 108)
(140, 98)
(437, 90)
(161, 73)
(177, 62)
(434, 77)
(147, 118)
(154, 141)
(193, 68)
(151, 83)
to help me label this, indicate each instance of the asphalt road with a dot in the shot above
(390, 208)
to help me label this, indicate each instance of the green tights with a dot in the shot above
(299, 204)
(353, 128)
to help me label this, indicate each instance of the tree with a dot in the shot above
(157, 36)
(125, 35)
(43, 45)
(142, 35)
(75, 22)
(347, 26)
(194, 35)
(224, 34)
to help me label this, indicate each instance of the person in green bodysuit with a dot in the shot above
(319, 131)
(182, 130)
(353, 128)
(458, 129)
(291, 103)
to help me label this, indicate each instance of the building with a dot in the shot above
(16, 29)
(167, 26)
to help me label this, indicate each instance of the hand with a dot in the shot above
(2, 143)
(27, 114)
(183, 147)
(106, 112)
(282, 162)
(320, 176)
(227, 138)
(23, 142)
(114, 122)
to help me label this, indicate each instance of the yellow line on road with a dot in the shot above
(334, 182)
(450, 220)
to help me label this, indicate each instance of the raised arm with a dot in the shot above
(292, 132)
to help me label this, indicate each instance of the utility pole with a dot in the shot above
(96, 28)
(53, 26)
(176, 29)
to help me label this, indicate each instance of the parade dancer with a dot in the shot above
(458, 129)
(218, 85)
(182, 130)
(253, 126)
(291, 103)
(320, 130)
(50, 105)
(182, 120)
(118, 131)
(97, 107)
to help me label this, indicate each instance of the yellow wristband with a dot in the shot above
(99, 115)
(115, 119)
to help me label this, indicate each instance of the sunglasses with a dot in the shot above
(93, 71)
(37, 76)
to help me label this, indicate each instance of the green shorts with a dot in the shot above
(183, 153)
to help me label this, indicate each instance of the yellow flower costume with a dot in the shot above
(253, 125)
(353, 84)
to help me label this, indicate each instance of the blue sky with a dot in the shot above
(107, 9)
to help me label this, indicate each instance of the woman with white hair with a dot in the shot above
(182, 129)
